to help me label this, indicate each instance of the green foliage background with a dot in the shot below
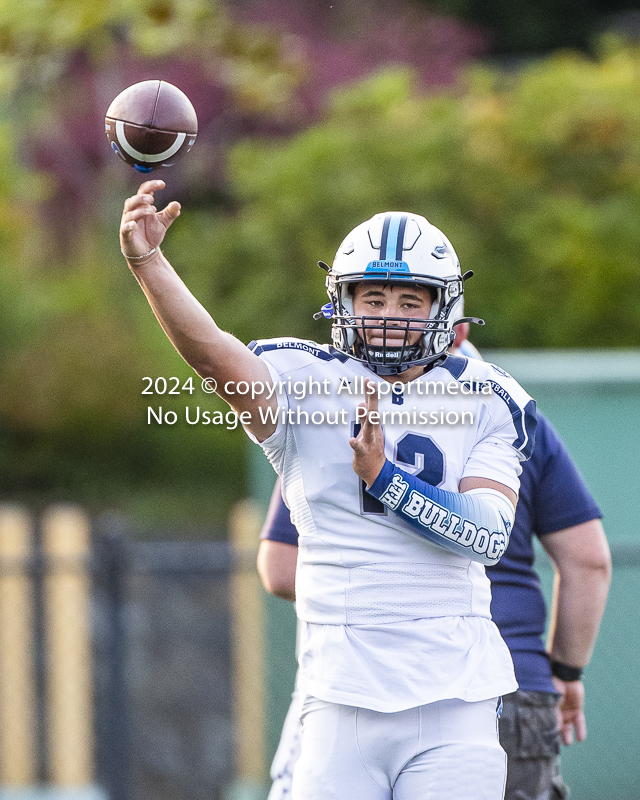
(534, 175)
(38, 39)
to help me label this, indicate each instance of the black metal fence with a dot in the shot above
(115, 659)
(162, 661)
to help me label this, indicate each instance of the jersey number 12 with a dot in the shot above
(411, 450)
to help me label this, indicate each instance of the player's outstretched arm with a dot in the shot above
(475, 522)
(211, 352)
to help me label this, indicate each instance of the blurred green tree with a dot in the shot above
(39, 39)
(76, 342)
(534, 175)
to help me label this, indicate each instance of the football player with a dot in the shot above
(555, 505)
(400, 465)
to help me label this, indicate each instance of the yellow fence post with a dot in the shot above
(17, 672)
(65, 531)
(248, 648)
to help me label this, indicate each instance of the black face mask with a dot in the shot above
(388, 359)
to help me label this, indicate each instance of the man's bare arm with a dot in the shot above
(277, 568)
(582, 562)
(211, 352)
(583, 573)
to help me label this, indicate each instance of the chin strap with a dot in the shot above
(378, 369)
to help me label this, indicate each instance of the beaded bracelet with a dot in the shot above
(137, 258)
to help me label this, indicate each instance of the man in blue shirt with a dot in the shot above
(555, 505)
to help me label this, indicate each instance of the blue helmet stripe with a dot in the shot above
(400, 242)
(385, 237)
(392, 239)
(391, 244)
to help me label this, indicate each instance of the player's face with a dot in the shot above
(392, 300)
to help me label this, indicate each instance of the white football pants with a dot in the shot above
(448, 750)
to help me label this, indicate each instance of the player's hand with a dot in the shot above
(571, 710)
(368, 445)
(143, 227)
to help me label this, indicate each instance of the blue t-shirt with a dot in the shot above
(553, 496)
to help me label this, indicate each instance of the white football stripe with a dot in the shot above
(180, 137)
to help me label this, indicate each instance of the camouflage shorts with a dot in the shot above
(530, 737)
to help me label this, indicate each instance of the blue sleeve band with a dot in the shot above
(460, 522)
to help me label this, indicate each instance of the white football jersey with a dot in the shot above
(358, 563)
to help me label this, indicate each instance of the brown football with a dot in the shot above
(151, 124)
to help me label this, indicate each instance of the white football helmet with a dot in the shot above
(394, 247)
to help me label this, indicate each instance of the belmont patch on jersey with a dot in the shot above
(290, 344)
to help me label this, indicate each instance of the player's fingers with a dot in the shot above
(360, 448)
(370, 405)
(127, 235)
(371, 428)
(127, 229)
(169, 214)
(358, 442)
(151, 186)
(370, 431)
(138, 213)
(371, 395)
(363, 420)
(130, 221)
(137, 201)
